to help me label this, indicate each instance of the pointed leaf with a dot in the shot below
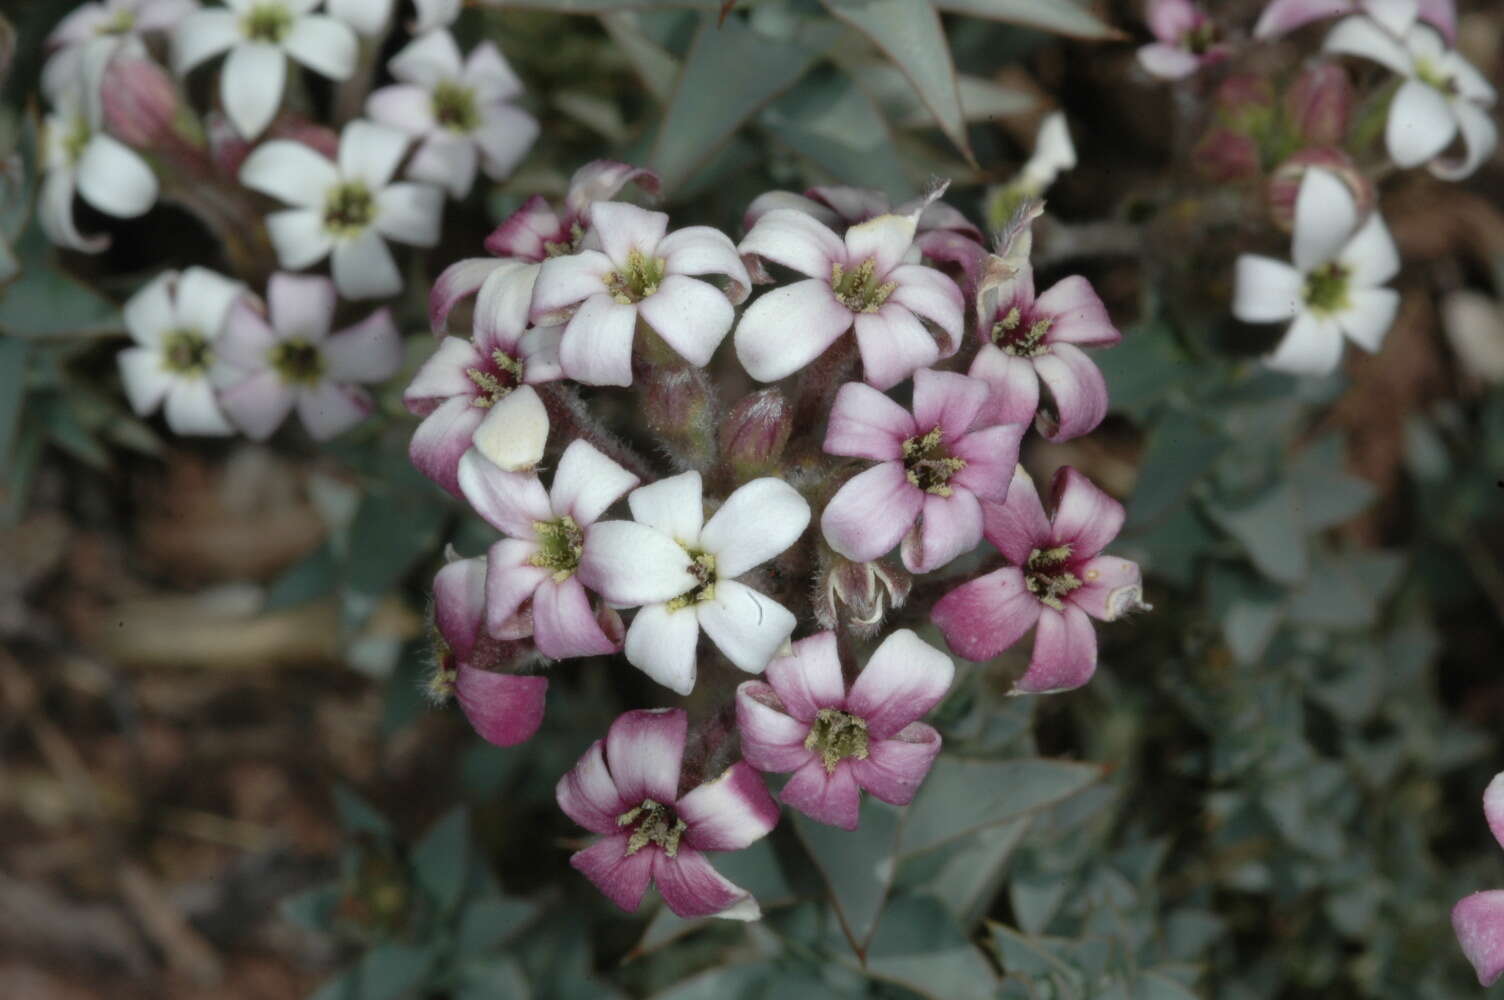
(949, 804)
(919, 946)
(441, 860)
(1271, 531)
(857, 866)
(1062, 17)
(833, 123)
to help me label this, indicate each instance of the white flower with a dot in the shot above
(459, 110)
(370, 17)
(107, 24)
(1333, 287)
(348, 209)
(78, 156)
(757, 522)
(1442, 96)
(1054, 153)
(260, 35)
(175, 321)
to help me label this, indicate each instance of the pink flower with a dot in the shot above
(555, 552)
(638, 274)
(1027, 340)
(504, 708)
(537, 231)
(861, 280)
(465, 380)
(1281, 16)
(1058, 579)
(934, 470)
(626, 788)
(804, 720)
(1479, 919)
(1187, 40)
(267, 364)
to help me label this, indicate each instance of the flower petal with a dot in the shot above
(203, 300)
(631, 564)
(291, 172)
(114, 179)
(729, 812)
(251, 85)
(564, 624)
(457, 282)
(808, 678)
(982, 618)
(587, 483)
(505, 709)
(1478, 921)
(661, 643)
(299, 237)
(622, 228)
(505, 137)
(366, 16)
(1312, 346)
(746, 626)
(202, 35)
(258, 404)
(871, 512)
(826, 797)
(329, 409)
(692, 888)
(621, 877)
(990, 455)
(514, 431)
(511, 581)
(1281, 16)
(1085, 518)
(691, 316)
(947, 400)
(1111, 587)
(192, 409)
(1078, 313)
(323, 44)
(146, 381)
(1326, 216)
(152, 312)
(795, 240)
(675, 506)
(1167, 62)
(459, 603)
(370, 152)
(1362, 36)
(1018, 525)
(904, 679)
(1078, 390)
(488, 71)
(930, 295)
(588, 793)
(410, 213)
(363, 268)
(697, 250)
(442, 377)
(772, 740)
(402, 106)
(597, 344)
(787, 328)
(1371, 257)
(759, 521)
(895, 767)
(1370, 316)
(1014, 396)
(1421, 124)
(885, 240)
(644, 749)
(565, 281)
(369, 351)
(893, 344)
(1266, 290)
(1065, 652)
(865, 423)
(511, 502)
(1480, 137)
(947, 527)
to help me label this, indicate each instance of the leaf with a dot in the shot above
(857, 866)
(12, 391)
(499, 978)
(391, 531)
(965, 876)
(919, 946)
(831, 122)
(1062, 17)
(48, 302)
(962, 795)
(441, 860)
(1249, 609)
(311, 577)
(1181, 451)
(656, 68)
(909, 32)
(1271, 532)
(312, 910)
(981, 99)
(1327, 496)
(386, 972)
(486, 923)
(730, 72)
(1340, 593)
(357, 816)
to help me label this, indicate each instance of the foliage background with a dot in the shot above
(219, 776)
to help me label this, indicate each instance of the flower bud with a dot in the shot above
(1244, 100)
(143, 108)
(860, 595)
(1320, 103)
(1226, 155)
(754, 434)
(229, 150)
(679, 405)
(1284, 184)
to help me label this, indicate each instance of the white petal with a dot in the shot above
(1266, 290)
(691, 316)
(251, 84)
(299, 237)
(366, 16)
(434, 14)
(364, 269)
(446, 160)
(369, 351)
(587, 483)
(698, 250)
(150, 313)
(748, 627)
(1471, 85)
(661, 643)
(1167, 62)
(328, 410)
(1311, 346)
(488, 71)
(756, 523)
(291, 172)
(622, 228)
(1361, 36)
(324, 45)
(203, 300)
(796, 240)
(565, 281)
(514, 431)
(1420, 125)
(597, 344)
(56, 214)
(114, 179)
(192, 409)
(675, 506)
(1480, 137)
(1325, 216)
(1371, 257)
(370, 152)
(1395, 16)
(630, 564)
(410, 213)
(428, 60)
(885, 240)
(1053, 152)
(202, 35)
(146, 381)
(787, 328)
(1370, 316)
(402, 106)
(505, 136)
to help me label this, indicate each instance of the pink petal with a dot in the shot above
(442, 376)
(301, 305)
(623, 228)
(865, 423)
(831, 798)
(597, 344)
(728, 813)
(1080, 317)
(621, 877)
(511, 581)
(505, 709)
(258, 404)
(904, 679)
(982, 618)
(948, 527)
(644, 749)
(588, 794)
(931, 295)
(772, 740)
(601, 180)
(787, 328)
(1015, 386)
(1479, 922)
(502, 307)
(564, 625)
(1018, 525)
(692, 888)
(458, 281)
(1111, 587)
(809, 677)
(1442, 14)
(1078, 390)
(1168, 62)
(442, 439)
(947, 400)
(770, 200)
(1085, 518)
(691, 316)
(247, 337)
(895, 767)
(330, 409)
(525, 233)
(1493, 807)
(511, 502)
(990, 455)
(459, 603)
(1065, 652)
(1169, 19)
(893, 343)
(795, 240)
(369, 351)
(871, 512)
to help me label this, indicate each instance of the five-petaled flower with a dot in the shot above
(465, 380)
(836, 742)
(1332, 288)
(935, 467)
(260, 35)
(267, 364)
(108, 25)
(1185, 40)
(756, 523)
(557, 550)
(347, 210)
(1442, 97)
(175, 321)
(626, 788)
(861, 280)
(639, 273)
(1058, 580)
(1281, 16)
(458, 110)
(1478, 919)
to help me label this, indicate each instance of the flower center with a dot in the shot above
(349, 209)
(1020, 340)
(185, 352)
(928, 466)
(652, 823)
(835, 736)
(454, 107)
(1432, 75)
(1198, 40)
(298, 362)
(1326, 289)
(267, 22)
(1048, 577)
(120, 24)
(639, 279)
(568, 245)
(560, 544)
(493, 385)
(702, 568)
(76, 140)
(859, 290)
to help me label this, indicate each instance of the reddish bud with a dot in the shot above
(1284, 184)
(1243, 98)
(1225, 155)
(679, 405)
(755, 432)
(143, 108)
(859, 595)
(1320, 104)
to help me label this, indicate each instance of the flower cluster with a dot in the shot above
(767, 535)
(1478, 919)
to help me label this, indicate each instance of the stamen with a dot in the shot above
(454, 107)
(1326, 289)
(639, 279)
(702, 568)
(835, 736)
(655, 824)
(298, 362)
(1010, 334)
(567, 246)
(186, 352)
(857, 290)
(495, 386)
(267, 22)
(928, 466)
(349, 209)
(561, 544)
(1047, 578)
